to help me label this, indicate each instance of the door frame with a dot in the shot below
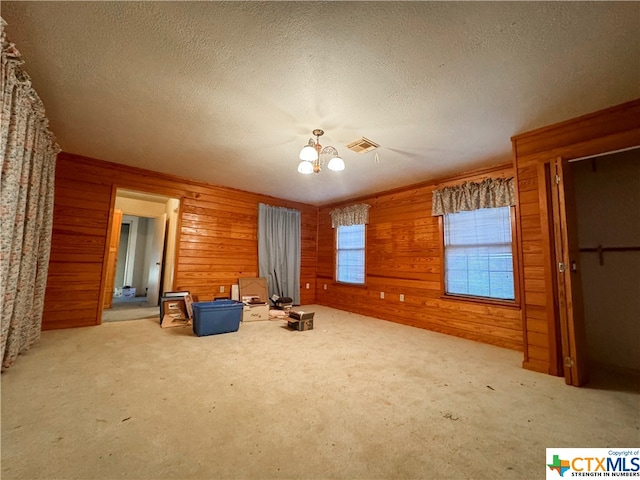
(112, 203)
(567, 324)
(111, 260)
(604, 131)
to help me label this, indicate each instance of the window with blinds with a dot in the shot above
(350, 254)
(478, 253)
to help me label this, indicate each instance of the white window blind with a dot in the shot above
(478, 253)
(350, 254)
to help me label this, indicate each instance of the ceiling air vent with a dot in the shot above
(362, 145)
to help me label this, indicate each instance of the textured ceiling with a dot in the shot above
(228, 92)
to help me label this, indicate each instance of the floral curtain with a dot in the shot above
(357, 214)
(490, 193)
(28, 154)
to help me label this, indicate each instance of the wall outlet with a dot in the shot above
(325, 286)
(221, 288)
(307, 286)
(402, 297)
(381, 294)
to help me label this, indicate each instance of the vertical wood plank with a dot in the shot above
(404, 255)
(216, 244)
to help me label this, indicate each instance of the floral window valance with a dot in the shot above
(490, 193)
(357, 214)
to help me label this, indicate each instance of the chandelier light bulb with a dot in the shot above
(309, 152)
(336, 164)
(305, 167)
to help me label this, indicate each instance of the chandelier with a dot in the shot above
(313, 156)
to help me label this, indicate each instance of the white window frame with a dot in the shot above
(341, 278)
(453, 292)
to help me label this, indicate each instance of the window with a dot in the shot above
(350, 254)
(478, 253)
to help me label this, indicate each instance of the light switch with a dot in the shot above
(381, 294)
(221, 288)
(402, 297)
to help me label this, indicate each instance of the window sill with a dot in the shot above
(347, 284)
(482, 300)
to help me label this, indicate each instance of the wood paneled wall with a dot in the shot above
(217, 241)
(597, 133)
(403, 256)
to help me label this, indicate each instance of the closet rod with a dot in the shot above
(600, 250)
(610, 249)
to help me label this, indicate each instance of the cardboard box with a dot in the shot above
(300, 325)
(300, 321)
(129, 292)
(254, 287)
(174, 313)
(252, 313)
(184, 296)
(301, 315)
(255, 291)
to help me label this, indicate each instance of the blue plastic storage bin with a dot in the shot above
(212, 318)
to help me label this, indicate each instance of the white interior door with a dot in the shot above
(130, 259)
(154, 253)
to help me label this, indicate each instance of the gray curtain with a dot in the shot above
(28, 154)
(279, 250)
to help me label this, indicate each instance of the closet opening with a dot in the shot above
(607, 196)
(601, 289)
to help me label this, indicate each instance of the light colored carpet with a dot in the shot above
(354, 398)
(131, 310)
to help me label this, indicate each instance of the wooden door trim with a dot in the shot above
(112, 258)
(558, 219)
(545, 201)
(570, 311)
(176, 247)
(105, 260)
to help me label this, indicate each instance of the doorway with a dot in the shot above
(142, 257)
(597, 261)
(607, 192)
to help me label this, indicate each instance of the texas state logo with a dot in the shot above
(559, 465)
(592, 462)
